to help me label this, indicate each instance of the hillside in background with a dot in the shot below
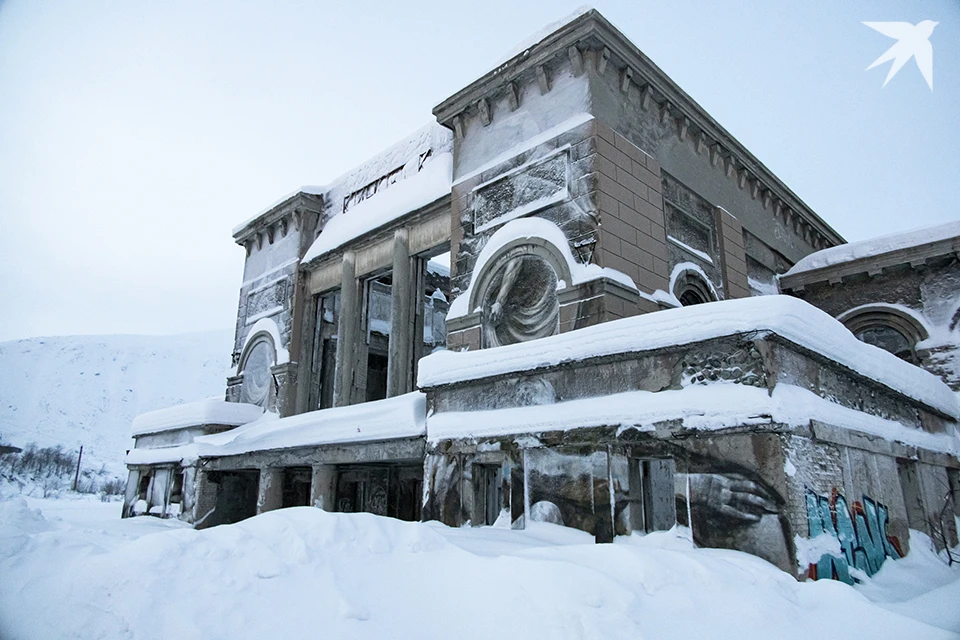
(86, 390)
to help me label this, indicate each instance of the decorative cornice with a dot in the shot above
(873, 266)
(276, 221)
(592, 33)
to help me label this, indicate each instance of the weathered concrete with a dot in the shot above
(348, 332)
(270, 493)
(401, 340)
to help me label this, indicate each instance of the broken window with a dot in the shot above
(176, 491)
(376, 315)
(888, 339)
(324, 360)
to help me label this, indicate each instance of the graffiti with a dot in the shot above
(861, 531)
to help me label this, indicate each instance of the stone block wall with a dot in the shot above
(733, 257)
(570, 205)
(920, 298)
(632, 228)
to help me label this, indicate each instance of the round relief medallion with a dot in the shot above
(520, 302)
(256, 373)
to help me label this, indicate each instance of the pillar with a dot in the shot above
(348, 332)
(308, 336)
(398, 364)
(270, 491)
(323, 487)
(733, 257)
(130, 495)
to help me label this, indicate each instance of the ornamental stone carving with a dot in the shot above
(520, 302)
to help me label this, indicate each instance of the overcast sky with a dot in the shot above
(135, 135)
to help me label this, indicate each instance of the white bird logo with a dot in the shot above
(913, 41)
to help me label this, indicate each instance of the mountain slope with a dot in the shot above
(86, 390)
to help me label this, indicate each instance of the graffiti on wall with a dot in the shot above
(860, 528)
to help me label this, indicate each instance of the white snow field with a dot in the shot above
(77, 571)
(86, 390)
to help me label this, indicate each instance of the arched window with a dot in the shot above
(887, 327)
(690, 288)
(260, 355)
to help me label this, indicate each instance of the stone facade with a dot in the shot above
(584, 188)
(906, 300)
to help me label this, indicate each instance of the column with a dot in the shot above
(270, 491)
(733, 258)
(308, 336)
(348, 332)
(323, 487)
(399, 362)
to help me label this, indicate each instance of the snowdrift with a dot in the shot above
(80, 572)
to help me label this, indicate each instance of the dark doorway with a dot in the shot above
(386, 490)
(236, 496)
(296, 486)
(489, 485)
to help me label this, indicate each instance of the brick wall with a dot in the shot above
(632, 234)
(733, 257)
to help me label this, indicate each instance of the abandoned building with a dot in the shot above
(559, 302)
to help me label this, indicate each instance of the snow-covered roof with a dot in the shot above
(427, 185)
(535, 38)
(431, 136)
(875, 247)
(701, 407)
(211, 411)
(788, 317)
(390, 419)
(310, 189)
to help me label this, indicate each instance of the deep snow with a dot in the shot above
(78, 571)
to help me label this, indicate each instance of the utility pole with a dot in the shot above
(76, 477)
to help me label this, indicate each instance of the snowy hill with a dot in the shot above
(86, 390)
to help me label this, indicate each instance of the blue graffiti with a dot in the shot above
(861, 531)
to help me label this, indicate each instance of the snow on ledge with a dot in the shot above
(686, 267)
(530, 228)
(399, 417)
(527, 145)
(314, 190)
(788, 317)
(874, 247)
(184, 454)
(212, 411)
(429, 184)
(700, 407)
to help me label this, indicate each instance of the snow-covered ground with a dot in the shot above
(86, 390)
(77, 571)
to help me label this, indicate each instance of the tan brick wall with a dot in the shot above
(733, 258)
(632, 236)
